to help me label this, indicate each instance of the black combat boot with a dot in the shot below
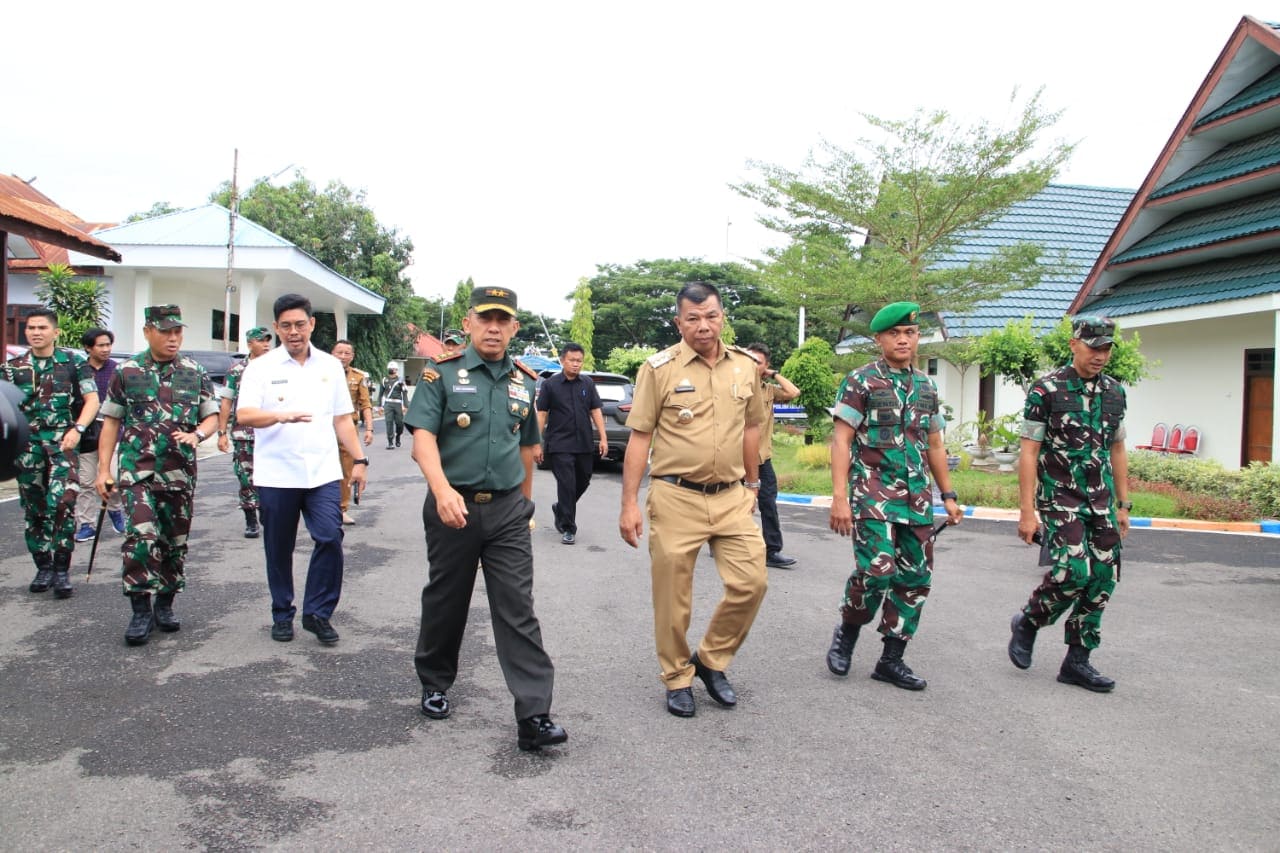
(62, 574)
(44, 572)
(251, 528)
(139, 630)
(842, 648)
(1022, 641)
(165, 620)
(1076, 669)
(893, 669)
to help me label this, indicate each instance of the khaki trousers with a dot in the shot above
(681, 521)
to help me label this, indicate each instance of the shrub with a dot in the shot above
(1260, 486)
(814, 456)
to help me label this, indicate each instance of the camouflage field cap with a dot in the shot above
(163, 317)
(896, 314)
(493, 299)
(258, 333)
(453, 336)
(1094, 331)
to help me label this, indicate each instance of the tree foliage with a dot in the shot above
(81, 303)
(879, 223)
(582, 324)
(809, 367)
(335, 227)
(461, 302)
(627, 360)
(1014, 353)
(160, 208)
(1127, 365)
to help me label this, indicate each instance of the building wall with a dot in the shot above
(962, 395)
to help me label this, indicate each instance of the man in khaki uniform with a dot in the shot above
(362, 405)
(699, 404)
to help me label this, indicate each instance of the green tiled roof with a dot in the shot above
(1229, 221)
(1239, 158)
(1215, 281)
(1265, 88)
(1074, 221)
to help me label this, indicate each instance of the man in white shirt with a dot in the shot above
(295, 397)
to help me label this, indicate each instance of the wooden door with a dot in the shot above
(1259, 389)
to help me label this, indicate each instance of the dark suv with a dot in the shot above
(216, 362)
(615, 396)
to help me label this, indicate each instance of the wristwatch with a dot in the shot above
(364, 461)
(1124, 504)
(80, 428)
(200, 434)
(949, 496)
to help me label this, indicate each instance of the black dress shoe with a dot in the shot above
(533, 733)
(320, 626)
(567, 538)
(680, 702)
(718, 687)
(435, 704)
(779, 560)
(282, 631)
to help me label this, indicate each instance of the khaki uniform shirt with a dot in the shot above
(768, 391)
(360, 399)
(697, 412)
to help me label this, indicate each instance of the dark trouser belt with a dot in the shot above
(705, 488)
(485, 496)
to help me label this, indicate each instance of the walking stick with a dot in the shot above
(97, 534)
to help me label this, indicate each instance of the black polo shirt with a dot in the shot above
(568, 405)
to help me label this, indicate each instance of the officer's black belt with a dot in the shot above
(705, 488)
(484, 496)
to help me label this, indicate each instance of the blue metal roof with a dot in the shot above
(1239, 158)
(1228, 221)
(1265, 88)
(206, 225)
(1215, 281)
(1071, 223)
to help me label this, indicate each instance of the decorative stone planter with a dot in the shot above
(1005, 459)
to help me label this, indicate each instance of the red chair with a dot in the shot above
(1159, 439)
(1175, 439)
(1190, 442)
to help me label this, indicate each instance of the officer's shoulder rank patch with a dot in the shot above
(448, 356)
(429, 375)
(660, 358)
(526, 369)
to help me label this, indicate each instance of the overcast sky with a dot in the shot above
(524, 143)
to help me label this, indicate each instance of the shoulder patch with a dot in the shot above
(660, 358)
(443, 357)
(429, 375)
(525, 369)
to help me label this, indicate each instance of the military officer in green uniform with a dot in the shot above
(1074, 469)
(238, 438)
(160, 406)
(888, 439)
(53, 382)
(474, 436)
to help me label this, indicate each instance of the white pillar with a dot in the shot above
(340, 320)
(249, 288)
(141, 299)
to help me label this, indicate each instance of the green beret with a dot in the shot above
(896, 314)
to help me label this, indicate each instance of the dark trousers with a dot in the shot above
(497, 535)
(768, 503)
(280, 510)
(573, 475)
(393, 413)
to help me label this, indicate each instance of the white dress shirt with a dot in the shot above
(299, 455)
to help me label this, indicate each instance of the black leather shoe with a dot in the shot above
(251, 528)
(893, 669)
(1022, 641)
(44, 573)
(567, 538)
(718, 687)
(282, 631)
(841, 651)
(779, 560)
(680, 702)
(139, 630)
(533, 733)
(1077, 670)
(165, 620)
(320, 626)
(435, 704)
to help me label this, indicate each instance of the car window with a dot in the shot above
(611, 393)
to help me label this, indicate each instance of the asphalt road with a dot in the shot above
(216, 737)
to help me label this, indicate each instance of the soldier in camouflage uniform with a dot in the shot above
(54, 382)
(159, 408)
(1074, 469)
(888, 438)
(232, 435)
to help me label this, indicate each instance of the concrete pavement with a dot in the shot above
(215, 737)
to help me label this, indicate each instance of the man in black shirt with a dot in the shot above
(568, 405)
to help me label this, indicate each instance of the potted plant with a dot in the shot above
(981, 429)
(1006, 441)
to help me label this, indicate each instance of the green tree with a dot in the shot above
(873, 225)
(1127, 364)
(335, 227)
(582, 324)
(461, 303)
(809, 367)
(160, 208)
(627, 360)
(1011, 353)
(81, 303)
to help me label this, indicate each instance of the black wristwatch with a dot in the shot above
(949, 496)
(1124, 504)
(364, 461)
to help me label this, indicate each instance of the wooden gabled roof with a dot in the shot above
(47, 230)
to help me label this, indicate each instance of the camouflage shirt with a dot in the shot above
(892, 413)
(53, 389)
(1076, 422)
(153, 400)
(232, 392)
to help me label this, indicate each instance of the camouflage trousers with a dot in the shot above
(48, 485)
(157, 523)
(242, 464)
(893, 564)
(1086, 567)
